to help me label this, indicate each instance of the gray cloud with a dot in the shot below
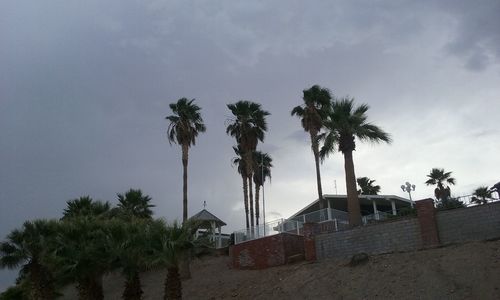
(85, 88)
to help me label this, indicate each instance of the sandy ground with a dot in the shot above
(469, 271)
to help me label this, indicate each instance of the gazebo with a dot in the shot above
(207, 223)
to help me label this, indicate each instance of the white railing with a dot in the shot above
(268, 229)
(378, 216)
(326, 214)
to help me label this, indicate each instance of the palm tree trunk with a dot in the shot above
(42, 284)
(352, 194)
(90, 289)
(245, 199)
(173, 285)
(257, 206)
(185, 149)
(250, 201)
(315, 149)
(133, 290)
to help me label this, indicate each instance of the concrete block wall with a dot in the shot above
(391, 236)
(475, 223)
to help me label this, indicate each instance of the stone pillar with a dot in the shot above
(428, 226)
(309, 242)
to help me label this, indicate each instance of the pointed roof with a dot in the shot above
(205, 215)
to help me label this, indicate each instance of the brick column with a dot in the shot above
(309, 243)
(427, 218)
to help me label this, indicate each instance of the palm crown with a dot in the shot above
(249, 125)
(134, 203)
(439, 177)
(481, 195)
(347, 122)
(315, 108)
(366, 186)
(185, 123)
(262, 166)
(85, 207)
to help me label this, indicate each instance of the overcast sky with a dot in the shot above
(85, 88)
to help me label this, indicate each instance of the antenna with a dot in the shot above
(204, 204)
(335, 183)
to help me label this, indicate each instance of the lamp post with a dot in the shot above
(408, 187)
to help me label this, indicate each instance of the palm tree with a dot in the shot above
(366, 186)
(240, 163)
(262, 165)
(185, 125)
(439, 177)
(29, 248)
(171, 245)
(82, 255)
(127, 243)
(313, 113)
(248, 127)
(85, 207)
(134, 204)
(482, 194)
(345, 123)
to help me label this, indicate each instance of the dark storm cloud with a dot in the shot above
(85, 88)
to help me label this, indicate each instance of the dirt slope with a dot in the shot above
(470, 271)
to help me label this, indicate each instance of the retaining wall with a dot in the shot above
(401, 235)
(480, 222)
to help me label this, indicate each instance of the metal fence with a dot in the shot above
(326, 214)
(268, 229)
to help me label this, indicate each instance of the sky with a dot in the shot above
(85, 88)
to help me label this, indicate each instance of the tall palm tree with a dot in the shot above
(345, 123)
(439, 177)
(134, 204)
(240, 163)
(185, 125)
(171, 245)
(248, 128)
(29, 249)
(366, 186)
(481, 195)
(262, 166)
(313, 114)
(85, 207)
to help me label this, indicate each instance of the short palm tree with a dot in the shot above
(85, 207)
(366, 186)
(29, 249)
(134, 204)
(185, 125)
(345, 123)
(442, 180)
(313, 114)
(248, 128)
(170, 246)
(262, 166)
(127, 244)
(481, 195)
(82, 256)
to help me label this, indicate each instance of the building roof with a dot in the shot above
(340, 202)
(206, 216)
